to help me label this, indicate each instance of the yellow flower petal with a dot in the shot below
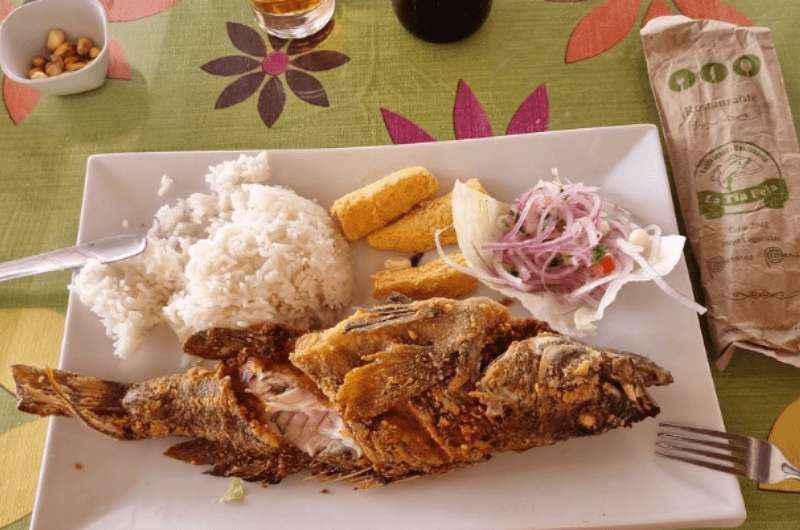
(20, 457)
(31, 335)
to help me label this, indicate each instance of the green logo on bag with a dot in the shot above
(738, 177)
(714, 72)
(745, 66)
(681, 80)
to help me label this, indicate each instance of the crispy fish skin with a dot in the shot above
(434, 385)
(399, 375)
(417, 388)
(223, 411)
(200, 403)
(455, 333)
(266, 340)
(226, 460)
(550, 388)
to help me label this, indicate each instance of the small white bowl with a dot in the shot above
(24, 31)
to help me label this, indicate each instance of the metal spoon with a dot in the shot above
(106, 250)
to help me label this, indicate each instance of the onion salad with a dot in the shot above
(562, 248)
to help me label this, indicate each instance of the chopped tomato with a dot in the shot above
(604, 266)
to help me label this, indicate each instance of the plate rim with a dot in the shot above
(736, 512)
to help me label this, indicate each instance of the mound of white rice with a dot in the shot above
(244, 253)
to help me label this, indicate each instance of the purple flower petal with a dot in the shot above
(402, 130)
(312, 41)
(276, 42)
(469, 118)
(320, 60)
(239, 90)
(246, 39)
(271, 101)
(533, 115)
(231, 65)
(307, 88)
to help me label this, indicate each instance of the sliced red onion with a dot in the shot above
(563, 219)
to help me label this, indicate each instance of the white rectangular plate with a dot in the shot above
(608, 481)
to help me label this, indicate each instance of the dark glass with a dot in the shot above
(442, 20)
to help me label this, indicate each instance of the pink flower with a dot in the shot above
(470, 119)
(127, 10)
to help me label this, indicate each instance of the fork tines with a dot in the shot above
(716, 450)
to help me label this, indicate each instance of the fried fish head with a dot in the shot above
(550, 387)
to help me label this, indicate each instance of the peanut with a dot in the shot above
(64, 55)
(55, 38)
(65, 50)
(54, 68)
(72, 67)
(84, 46)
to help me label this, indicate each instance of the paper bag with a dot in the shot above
(736, 168)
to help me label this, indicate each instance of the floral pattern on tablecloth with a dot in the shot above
(470, 119)
(287, 59)
(608, 24)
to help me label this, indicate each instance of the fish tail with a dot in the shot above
(97, 403)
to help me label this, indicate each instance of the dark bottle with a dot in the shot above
(442, 20)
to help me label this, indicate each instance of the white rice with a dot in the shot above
(164, 186)
(245, 253)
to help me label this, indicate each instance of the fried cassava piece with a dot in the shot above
(393, 392)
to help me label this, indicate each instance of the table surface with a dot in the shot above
(535, 65)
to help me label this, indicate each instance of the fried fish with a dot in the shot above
(390, 393)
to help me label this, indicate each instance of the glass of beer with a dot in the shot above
(293, 19)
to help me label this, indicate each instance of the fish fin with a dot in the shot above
(363, 478)
(397, 373)
(97, 403)
(267, 340)
(225, 460)
(380, 316)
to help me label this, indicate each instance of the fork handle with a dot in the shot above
(791, 472)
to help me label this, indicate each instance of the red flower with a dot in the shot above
(20, 100)
(261, 63)
(127, 10)
(608, 24)
(470, 119)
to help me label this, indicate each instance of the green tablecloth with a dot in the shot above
(535, 64)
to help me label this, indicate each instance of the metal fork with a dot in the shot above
(736, 454)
